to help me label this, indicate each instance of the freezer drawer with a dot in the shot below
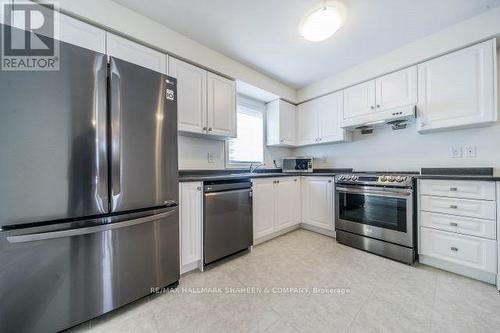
(56, 279)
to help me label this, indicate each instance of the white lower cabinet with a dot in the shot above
(317, 202)
(458, 227)
(191, 223)
(276, 205)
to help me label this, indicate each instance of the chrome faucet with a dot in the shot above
(252, 168)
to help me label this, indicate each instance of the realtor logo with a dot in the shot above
(30, 37)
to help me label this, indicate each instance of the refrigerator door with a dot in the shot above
(55, 277)
(53, 162)
(144, 170)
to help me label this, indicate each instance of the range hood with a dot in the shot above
(397, 118)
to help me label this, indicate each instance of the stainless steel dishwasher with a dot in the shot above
(227, 226)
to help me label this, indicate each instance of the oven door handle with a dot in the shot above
(384, 193)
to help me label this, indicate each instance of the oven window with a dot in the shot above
(377, 211)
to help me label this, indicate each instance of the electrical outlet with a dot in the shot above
(470, 151)
(211, 158)
(456, 152)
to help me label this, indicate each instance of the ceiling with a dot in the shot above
(263, 34)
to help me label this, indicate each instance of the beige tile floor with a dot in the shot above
(385, 296)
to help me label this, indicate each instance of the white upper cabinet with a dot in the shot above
(319, 120)
(127, 50)
(281, 123)
(191, 95)
(458, 89)
(78, 33)
(307, 125)
(397, 89)
(359, 100)
(221, 109)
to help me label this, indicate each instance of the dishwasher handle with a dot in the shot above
(226, 187)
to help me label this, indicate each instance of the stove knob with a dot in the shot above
(355, 177)
(383, 178)
(348, 177)
(390, 179)
(342, 177)
(399, 179)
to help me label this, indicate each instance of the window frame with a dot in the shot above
(256, 106)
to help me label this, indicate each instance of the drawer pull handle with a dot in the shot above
(453, 189)
(454, 206)
(454, 249)
(453, 224)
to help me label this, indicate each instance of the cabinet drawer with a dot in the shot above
(468, 251)
(459, 224)
(462, 207)
(459, 189)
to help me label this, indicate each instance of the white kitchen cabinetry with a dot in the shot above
(281, 123)
(276, 205)
(191, 222)
(135, 53)
(458, 89)
(78, 33)
(391, 91)
(317, 202)
(221, 109)
(206, 102)
(319, 120)
(458, 227)
(191, 95)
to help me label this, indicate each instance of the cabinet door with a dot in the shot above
(127, 50)
(82, 34)
(307, 123)
(287, 202)
(221, 106)
(191, 95)
(317, 200)
(191, 221)
(397, 89)
(458, 89)
(359, 100)
(263, 207)
(287, 122)
(329, 111)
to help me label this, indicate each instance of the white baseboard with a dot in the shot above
(191, 267)
(459, 269)
(326, 232)
(275, 234)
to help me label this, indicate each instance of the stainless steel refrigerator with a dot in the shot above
(88, 190)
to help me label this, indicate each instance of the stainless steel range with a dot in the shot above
(375, 212)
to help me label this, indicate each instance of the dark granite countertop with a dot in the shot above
(478, 174)
(209, 175)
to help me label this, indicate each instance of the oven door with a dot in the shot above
(380, 213)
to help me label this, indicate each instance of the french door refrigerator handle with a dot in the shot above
(115, 89)
(88, 230)
(101, 134)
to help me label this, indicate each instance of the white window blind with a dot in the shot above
(248, 147)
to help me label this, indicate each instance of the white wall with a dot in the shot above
(406, 150)
(128, 23)
(468, 32)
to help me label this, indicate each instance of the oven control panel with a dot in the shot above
(366, 179)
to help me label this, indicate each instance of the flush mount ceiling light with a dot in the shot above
(322, 21)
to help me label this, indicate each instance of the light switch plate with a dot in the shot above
(211, 158)
(456, 152)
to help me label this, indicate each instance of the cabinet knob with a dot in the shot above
(454, 249)
(277, 182)
(199, 188)
(205, 128)
(453, 224)
(453, 206)
(329, 181)
(453, 189)
(295, 180)
(378, 105)
(210, 129)
(372, 107)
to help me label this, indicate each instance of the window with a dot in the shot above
(248, 147)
